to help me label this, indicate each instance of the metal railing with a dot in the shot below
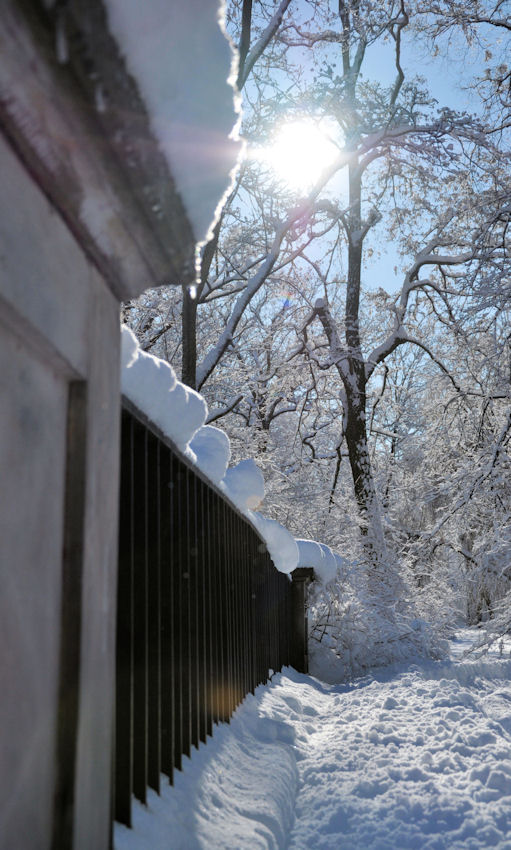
(202, 614)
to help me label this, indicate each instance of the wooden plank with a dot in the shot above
(71, 619)
(140, 615)
(167, 538)
(154, 612)
(123, 772)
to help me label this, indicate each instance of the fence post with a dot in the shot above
(302, 577)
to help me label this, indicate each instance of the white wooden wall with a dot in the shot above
(59, 329)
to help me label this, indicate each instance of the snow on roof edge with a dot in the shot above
(183, 63)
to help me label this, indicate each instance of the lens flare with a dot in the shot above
(299, 154)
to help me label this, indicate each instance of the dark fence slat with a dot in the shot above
(202, 608)
(233, 588)
(227, 682)
(140, 613)
(244, 606)
(123, 778)
(192, 552)
(153, 545)
(209, 607)
(220, 616)
(167, 543)
(180, 614)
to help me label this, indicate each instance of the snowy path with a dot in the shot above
(416, 757)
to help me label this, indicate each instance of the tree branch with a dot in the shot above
(218, 412)
(261, 44)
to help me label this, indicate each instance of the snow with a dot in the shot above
(319, 556)
(414, 756)
(244, 485)
(212, 450)
(182, 62)
(180, 413)
(150, 383)
(281, 544)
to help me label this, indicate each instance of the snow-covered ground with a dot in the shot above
(416, 756)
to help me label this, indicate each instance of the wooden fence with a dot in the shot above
(203, 614)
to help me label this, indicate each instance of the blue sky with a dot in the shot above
(447, 76)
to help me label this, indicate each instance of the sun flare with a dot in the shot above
(301, 150)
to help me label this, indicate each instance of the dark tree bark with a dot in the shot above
(247, 59)
(246, 24)
(189, 337)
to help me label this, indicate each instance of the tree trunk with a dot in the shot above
(354, 379)
(363, 482)
(189, 337)
(189, 311)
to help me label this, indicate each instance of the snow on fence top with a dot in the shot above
(180, 413)
(319, 556)
(182, 61)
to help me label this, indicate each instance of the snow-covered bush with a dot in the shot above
(350, 632)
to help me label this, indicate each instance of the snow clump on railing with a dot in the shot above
(180, 413)
(320, 556)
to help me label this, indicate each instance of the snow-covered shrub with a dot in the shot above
(355, 626)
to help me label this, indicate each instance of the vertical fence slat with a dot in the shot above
(234, 607)
(179, 615)
(227, 615)
(237, 530)
(140, 611)
(154, 617)
(123, 772)
(209, 607)
(245, 607)
(167, 611)
(193, 581)
(221, 670)
(202, 610)
(253, 611)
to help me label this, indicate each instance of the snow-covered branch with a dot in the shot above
(219, 412)
(205, 368)
(478, 480)
(261, 44)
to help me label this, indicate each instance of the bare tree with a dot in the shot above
(250, 52)
(432, 181)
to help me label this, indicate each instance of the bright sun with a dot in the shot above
(299, 154)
